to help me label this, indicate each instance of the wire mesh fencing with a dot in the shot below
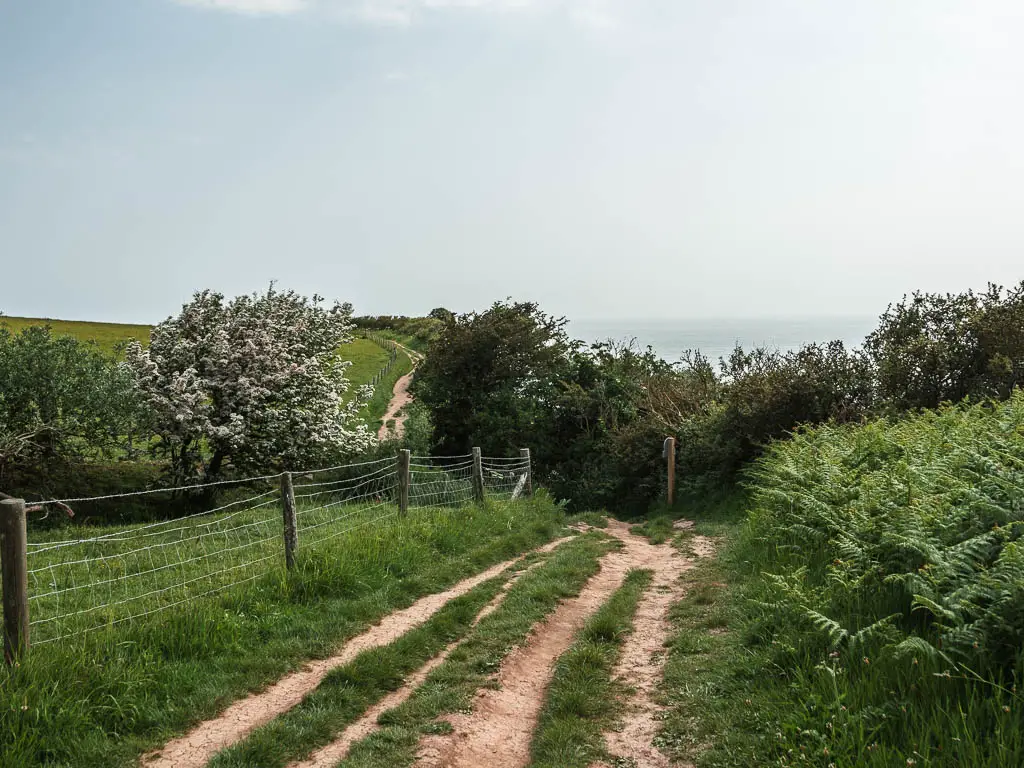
(505, 478)
(79, 585)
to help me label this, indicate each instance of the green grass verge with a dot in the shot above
(582, 700)
(451, 687)
(721, 710)
(108, 336)
(104, 698)
(347, 692)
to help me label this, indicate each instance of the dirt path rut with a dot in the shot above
(333, 753)
(642, 661)
(198, 746)
(500, 728)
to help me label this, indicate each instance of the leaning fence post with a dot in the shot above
(404, 457)
(669, 453)
(524, 454)
(291, 529)
(478, 475)
(14, 567)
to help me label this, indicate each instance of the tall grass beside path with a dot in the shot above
(106, 697)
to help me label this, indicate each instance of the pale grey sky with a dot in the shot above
(608, 158)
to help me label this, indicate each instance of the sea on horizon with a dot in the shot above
(717, 338)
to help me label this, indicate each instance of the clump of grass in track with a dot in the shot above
(451, 687)
(105, 698)
(581, 701)
(346, 693)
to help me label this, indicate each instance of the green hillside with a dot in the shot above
(108, 336)
(367, 358)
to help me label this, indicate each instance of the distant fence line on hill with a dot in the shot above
(56, 589)
(391, 347)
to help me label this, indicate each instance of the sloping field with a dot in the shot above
(366, 357)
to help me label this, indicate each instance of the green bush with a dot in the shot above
(934, 348)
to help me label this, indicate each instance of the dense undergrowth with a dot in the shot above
(874, 601)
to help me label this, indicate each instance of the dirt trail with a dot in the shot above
(199, 745)
(337, 750)
(642, 661)
(399, 399)
(499, 730)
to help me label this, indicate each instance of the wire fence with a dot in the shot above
(392, 349)
(77, 586)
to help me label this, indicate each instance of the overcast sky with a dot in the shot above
(607, 158)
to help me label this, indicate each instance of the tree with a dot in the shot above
(931, 348)
(255, 383)
(60, 396)
(491, 378)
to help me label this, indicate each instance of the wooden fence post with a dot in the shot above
(291, 528)
(524, 454)
(670, 458)
(404, 476)
(478, 475)
(14, 567)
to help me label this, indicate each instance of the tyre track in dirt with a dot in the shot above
(641, 664)
(197, 747)
(331, 754)
(499, 730)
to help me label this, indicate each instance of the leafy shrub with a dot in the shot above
(934, 348)
(62, 398)
(255, 381)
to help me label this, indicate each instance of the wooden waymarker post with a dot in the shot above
(14, 567)
(291, 528)
(524, 453)
(478, 475)
(669, 452)
(404, 457)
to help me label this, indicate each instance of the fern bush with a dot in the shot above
(893, 586)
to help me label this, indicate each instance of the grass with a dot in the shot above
(110, 337)
(366, 359)
(451, 687)
(582, 699)
(103, 698)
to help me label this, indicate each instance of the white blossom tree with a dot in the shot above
(253, 383)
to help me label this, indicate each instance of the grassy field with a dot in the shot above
(108, 336)
(102, 697)
(366, 357)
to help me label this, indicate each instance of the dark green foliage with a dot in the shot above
(60, 398)
(933, 348)
(416, 332)
(764, 395)
(891, 594)
(491, 379)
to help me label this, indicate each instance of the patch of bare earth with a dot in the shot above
(400, 398)
(198, 746)
(498, 732)
(641, 663)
